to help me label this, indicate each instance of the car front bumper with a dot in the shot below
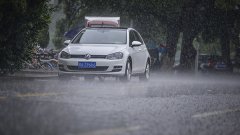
(104, 67)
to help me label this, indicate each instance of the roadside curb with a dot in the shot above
(28, 77)
(36, 72)
(31, 74)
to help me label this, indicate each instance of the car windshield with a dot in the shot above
(101, 36)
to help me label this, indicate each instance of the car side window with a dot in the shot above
(77, 39)
(131, 37)
(137, 37)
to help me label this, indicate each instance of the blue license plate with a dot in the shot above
(86, 64)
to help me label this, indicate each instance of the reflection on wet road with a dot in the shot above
(169, 105)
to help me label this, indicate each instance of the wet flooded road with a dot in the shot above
(167, 104)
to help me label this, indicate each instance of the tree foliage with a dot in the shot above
(61, 28)
(43, 38)
(20, 23)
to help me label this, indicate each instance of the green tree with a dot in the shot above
(43, 38)
(61, 28)
(223, 24)
(20, 23)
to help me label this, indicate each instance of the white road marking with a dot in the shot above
(208, 114)
(112, 131)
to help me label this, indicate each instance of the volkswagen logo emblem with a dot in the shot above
(87, 56)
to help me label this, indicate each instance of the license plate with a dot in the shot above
(87, 65)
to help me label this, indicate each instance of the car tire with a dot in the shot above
(146, 75)
(128, 72)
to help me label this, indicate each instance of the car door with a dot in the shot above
(142, 53)
(134, 51)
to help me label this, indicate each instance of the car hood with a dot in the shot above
(94, 49)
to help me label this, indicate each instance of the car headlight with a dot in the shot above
(65, 55)
(114, 56)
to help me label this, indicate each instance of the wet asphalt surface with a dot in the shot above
(166, 105)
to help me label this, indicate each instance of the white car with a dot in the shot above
(119, 52)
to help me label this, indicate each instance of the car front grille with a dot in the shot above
(98, 68)
(92, 56)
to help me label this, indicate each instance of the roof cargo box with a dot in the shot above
(102, 21)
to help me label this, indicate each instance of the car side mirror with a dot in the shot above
(136, 43)
(67, 42)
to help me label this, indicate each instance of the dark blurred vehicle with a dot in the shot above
(204, 62)
(213, 63)
(203, 58)
(222, 66)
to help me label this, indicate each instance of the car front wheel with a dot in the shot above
(128, 72)
(146, 74)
